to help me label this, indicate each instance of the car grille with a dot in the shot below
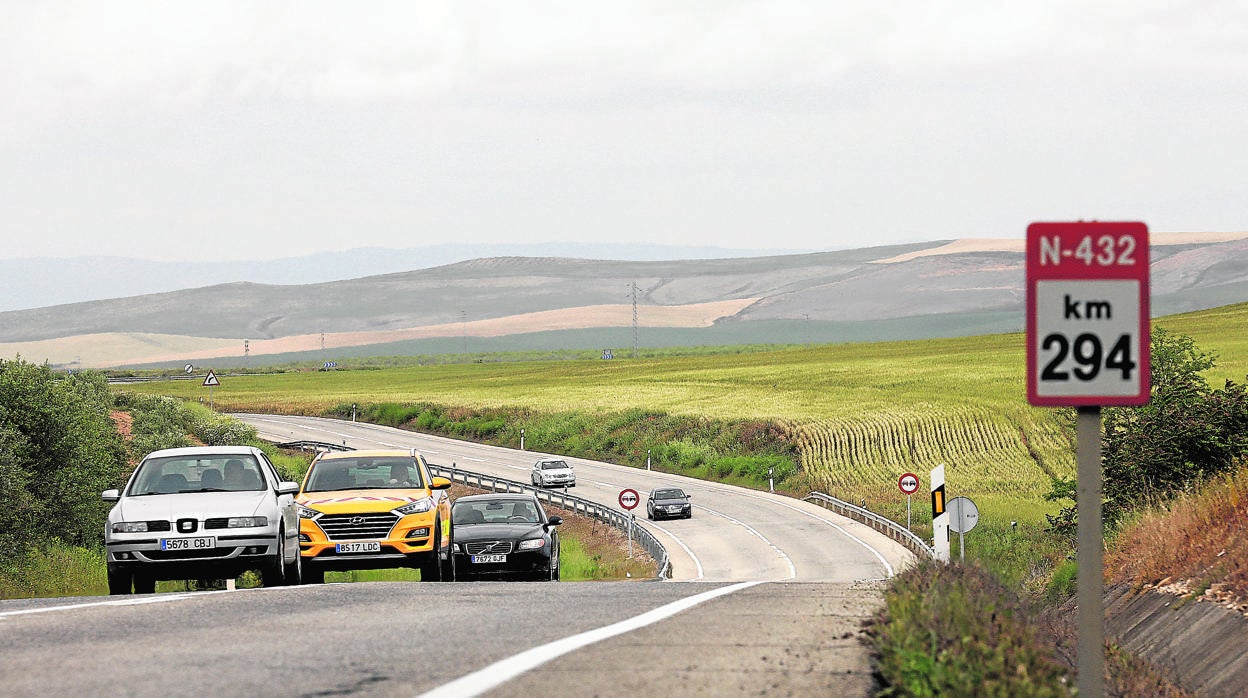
(187, 554)
(222, 522)
(353, 526)
(157, 526)
(488, 546)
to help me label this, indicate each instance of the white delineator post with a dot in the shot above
(940, 516)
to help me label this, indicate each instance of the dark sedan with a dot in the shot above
(668, 503)
(504, 536)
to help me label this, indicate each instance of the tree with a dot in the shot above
(1187, 432)
(59, 449)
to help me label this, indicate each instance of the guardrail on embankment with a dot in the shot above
(577, 505)
(314, 446)
(888, 527)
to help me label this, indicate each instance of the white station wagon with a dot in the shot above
(206, 512)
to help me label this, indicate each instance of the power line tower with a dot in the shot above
(463, 328)
(632, 291)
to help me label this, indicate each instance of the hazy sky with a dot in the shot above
(221, 130)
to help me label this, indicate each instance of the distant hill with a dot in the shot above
(42, 281)
(940, 288)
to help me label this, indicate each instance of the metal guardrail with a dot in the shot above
(314, 446)
(577, 505)
(888, 527)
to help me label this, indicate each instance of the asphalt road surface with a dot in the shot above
(768, 598)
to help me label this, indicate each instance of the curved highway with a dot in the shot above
(736, 534)
(769, 599)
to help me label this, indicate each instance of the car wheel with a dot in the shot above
(119, 582)
(144, 583)
(294, 571)
(274, 572)
(431, 566)
(448, 565)
(314, 575)
(650, 514)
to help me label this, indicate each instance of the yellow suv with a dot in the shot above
(364, 510)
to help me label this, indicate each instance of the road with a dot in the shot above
(769, 599)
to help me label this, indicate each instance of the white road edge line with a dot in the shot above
(160, 598)
(504, 670)
(696, 562)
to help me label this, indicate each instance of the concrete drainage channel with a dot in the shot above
(577, 505)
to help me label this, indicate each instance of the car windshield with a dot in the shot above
(197, 473)
(363, 473)
(669, 494)
(495, 511)
(554, 465)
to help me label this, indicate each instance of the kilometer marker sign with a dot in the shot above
(1087, 314)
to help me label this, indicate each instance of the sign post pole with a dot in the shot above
(908, 483)
(1087, 347)
(1089, 555)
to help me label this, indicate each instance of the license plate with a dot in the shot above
(188, 543)
(369, 547)
(489, 558)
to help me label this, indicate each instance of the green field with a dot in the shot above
(861, 414)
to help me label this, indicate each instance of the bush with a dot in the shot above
(59, 448)
(953, 630)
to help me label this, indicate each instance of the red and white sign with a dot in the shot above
(629, 498)
(1087, 314)
(909, 483)
(211, 379)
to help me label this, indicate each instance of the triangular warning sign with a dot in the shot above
(211, 379)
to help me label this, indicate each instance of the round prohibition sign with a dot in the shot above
(629, 498)
(909, 483)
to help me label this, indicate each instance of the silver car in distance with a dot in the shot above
(553, 472)
(206, 512)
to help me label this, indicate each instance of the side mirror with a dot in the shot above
(439, 483)
(554, 521)
(110, 495)
(287, 487)
(688, 496)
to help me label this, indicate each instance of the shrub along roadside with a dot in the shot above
(741, 452)
(953, 630)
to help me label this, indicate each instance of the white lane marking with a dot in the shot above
(162, 598)
(696, 562)
(752, 530)
(504, 670)
(880, 556)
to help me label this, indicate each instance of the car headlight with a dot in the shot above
(247, 522)
(307, 512)
(419, 506)
(130, 527)
(531, 544)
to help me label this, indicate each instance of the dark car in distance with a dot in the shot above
(668, 503)
(504, 536)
